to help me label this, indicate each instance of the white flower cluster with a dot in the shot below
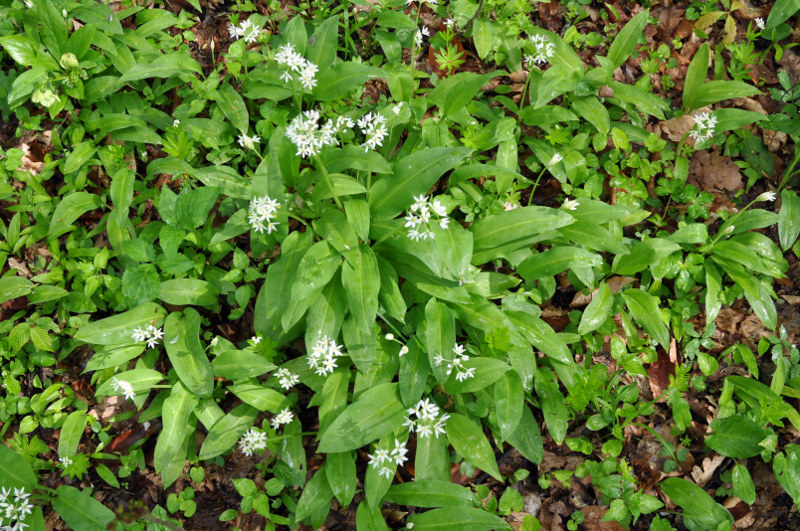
(248, 142)
(262, 214)
(322, 357)
(13, 512)
(247, 30)
(306, 134)
(421, 214)
(419, 34)
(65, 461)
(287, 378)
(284, 417)
(570, 204)
(382, 457)
(457, 363)
(294, 62)
(766, 196)
(428, 421)
(253, 441)
(373, 125)
(123, 387)
(543, 50)
(704, 124)
(760, 23)
(150, 333)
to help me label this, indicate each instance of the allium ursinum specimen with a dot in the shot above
(766, 196)
(262, 215)
(305, 70)
(247, 30)
(123, 387)
(309, 138)
(13, 511)
(457, 363)
(322, 357)
(421, 214)
(384, 456)
(284, 417)
(760, 23)
(427, 420)
(248, 142)
(704, 124)
(150, 333)
(570, 204)
(287, 379)
(543, 50)
(373, 125)
(424, 32)
(253, 441)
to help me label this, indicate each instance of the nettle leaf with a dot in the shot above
(375, 413)
(118, 328)
(700, 511)
(141, 283)
(186, 353)
(468, 440)
(193, 206)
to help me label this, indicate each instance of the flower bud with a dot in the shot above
(69, 61)
(390, 337)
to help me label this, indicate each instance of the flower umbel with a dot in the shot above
(253, 441)
(150, 333)
(704, 124)
(760, 23)
(246, 30)
(543, 50)
(305, 133)
(457, 363)
(373, 125)
(322, 357)
(286, 378)
(428, 422)
(123, 387)
(421, 214)
(284, 417)
(248, 142)
(295, 63)
(13, 512)
(262, 214)
(383, 457)
(570, 204)
(766, 196)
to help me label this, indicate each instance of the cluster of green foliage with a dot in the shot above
(407, 252)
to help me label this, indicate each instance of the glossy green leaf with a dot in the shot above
(169, 65)
(757, 295)
(461, 518)
(527, 438)
(337, 81)
(429, 493)
(432, 459)
(625, 41)
(227, 430)
(313, 273)
(509, 398)
(12, 287)
(369, 518)
(185, 291)
(186, 353)
(592, 110)
(233, 107)
(175, 413)
(118, 328)
(79, 510)
(646, 311)
(736, 436)
(643, 254)
(316, 497)
(240, 364)
(700, 511)
(226, 179)
(695, 76)
(485, 36)
(70, 209)
(554, 406)
(15, 470)
(487, 372)
(712, 92)
(261, 398)
(786, 467)
(789, 219)
(781, 11)
(413, 175)
(468, 440)
(141, 380)
(71, 432)
(362, 282)
(340, 469)
(598, 310)
(19, 48)
(453, 93)
(555, 261)
(743, 484)
(375, 412)
(440, 335)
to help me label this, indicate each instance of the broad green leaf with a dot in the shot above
(185, 291)
(233, 107)
(736, 436)
(81, 511)
(113, 356)
(140, 283)
(743, 484)
(340, 469)
(227, 430)
(741, 254)
(565, 56)
(461, 518)
(71, 432)
(12, 287)
(432, 459)
(712, 92)
(362, 282)
(70, 209)
(513, 229)
(713, 290)
(468, 440)
(261, 398)
(487, 372)
(333, 398)
(325, 42)
(700, 511)
(757, 295)
(594, 111)
(645, 101)
(141, 380)
(360, 345)
(208, 412)
(186, 353)
(541, 335)
(414, 370)
(643, 254)
(646, 311)
(527, 438)
(226, 179)
(598, 311)
(79, 156)
(354, 158)
(509, 400)
(695, 76)
(429, 493)
(786, 467)
(440, 335)
(484, 36)
(556, 260)
(175, 413)
(788, 219)
(19, 48)
(169, 65)
(370, 518)
(316, 497)
(376, 484)
(15, 470)
(334, 227)
(240, 364)
(781, 11)
(625, 41)
(313, 273)
(413, 175)
(375, 413)
(730, 119)
(453, 93)
(337, 81)
(554, 407)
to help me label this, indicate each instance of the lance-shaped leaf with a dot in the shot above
(362, 282)
(468, 440)
(645, 309)
(186, 353)
(598, 310)
(227, 430)
(117, 329)
(177, 408)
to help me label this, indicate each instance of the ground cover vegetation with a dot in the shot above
(365, 265)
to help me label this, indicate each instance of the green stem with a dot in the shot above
(535, 185)
(387, 236)
(789, 172)
(522, 99)
(328, 182)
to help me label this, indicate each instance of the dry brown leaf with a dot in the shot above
(593, 520)
(703, 475)
(675, 128)
(715, 172)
